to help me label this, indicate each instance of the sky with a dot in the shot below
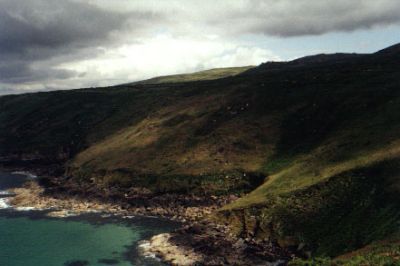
(68, 44)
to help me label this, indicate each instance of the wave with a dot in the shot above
(4, 203)
(5, 193)
(128, 216)
(144, 250)
(25, 209)
(25, 173)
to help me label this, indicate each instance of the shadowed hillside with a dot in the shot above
(314, 141)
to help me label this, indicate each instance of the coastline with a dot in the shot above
(142, 228)
(161, 247)
(197, 241)
(32, 197)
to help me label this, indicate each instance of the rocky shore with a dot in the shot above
(162, 247)
(198, 242)
(32, 197)
(204, 243)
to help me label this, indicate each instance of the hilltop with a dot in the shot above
(311, 146)
(209, 74)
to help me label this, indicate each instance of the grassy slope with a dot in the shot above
(210, 74)
(48, 124)
(384, 252)
(323, 130)
(333, 179)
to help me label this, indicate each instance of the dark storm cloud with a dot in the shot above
(38, 38)
(15, 72)
(287, 18)
(25, 25)
(36, 30)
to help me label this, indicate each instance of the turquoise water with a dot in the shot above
(35, 241)
(32, 239)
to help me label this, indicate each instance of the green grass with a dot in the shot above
(323, 133)
(209, 74)
(382, 253)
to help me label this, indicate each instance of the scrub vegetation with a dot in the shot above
(312, 147)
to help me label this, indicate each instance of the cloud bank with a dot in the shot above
(74, 43)
(286, 18)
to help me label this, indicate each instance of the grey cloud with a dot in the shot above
(282, 18)
(286, 18)
(6, 91)
(57, 31)
(25, 26)
(19, 72)
(36, 36)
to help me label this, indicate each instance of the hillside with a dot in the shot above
(209, 74)
(311, 145)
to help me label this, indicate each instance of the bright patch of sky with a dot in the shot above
(359, 41)
(48, 45)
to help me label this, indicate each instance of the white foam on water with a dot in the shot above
(144, 249)
(25, 208)
(62, 214)
(27, 174)
(71, 214)
(92, 211)
(4, 203)
(144, 244)
(5, 193)
(151, 256)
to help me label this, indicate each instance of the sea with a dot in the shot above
(30, 238)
